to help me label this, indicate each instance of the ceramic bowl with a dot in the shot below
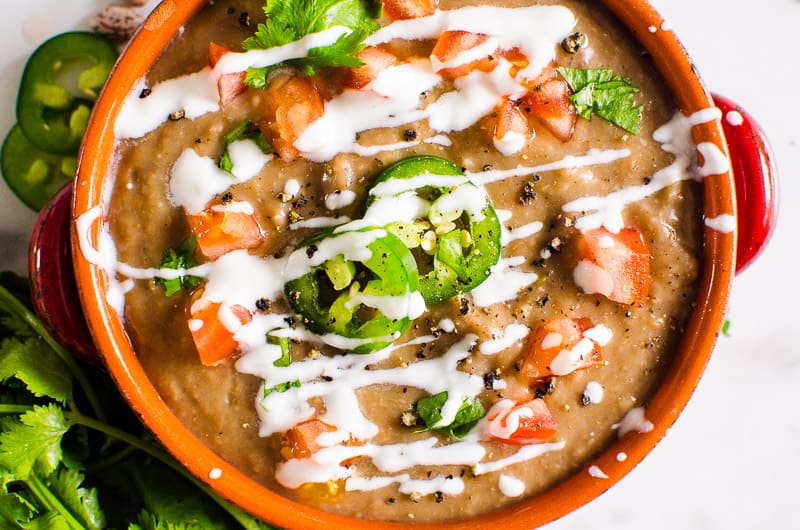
(754, 184)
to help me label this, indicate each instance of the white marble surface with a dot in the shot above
(732, 460)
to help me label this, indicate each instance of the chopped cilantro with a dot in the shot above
(282, 387)
(726, 327)
(286, 352)
(429, 410)
(603, 93)
(244, 131)
(291, 20)
(180, 258)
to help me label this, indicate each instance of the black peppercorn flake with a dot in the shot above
(244, 19)
(290, 321)
(262, 304)
(463, 306)
(574, 42)
(311, 250)
(488, 380)
(227, 197)
(528, 193)
(438, 496)
(409, 135)
(145, 92)
(586, 400)
(541, 302)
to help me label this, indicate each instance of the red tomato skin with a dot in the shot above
(405, 9)
(375, 61)
(291, 103)
(627, 262)
(534, 364)
(452, 43)
(548, 103)
(218, 233)
(214, 342)
(535, 423)
(302, 438)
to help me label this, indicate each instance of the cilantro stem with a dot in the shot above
(15, 409)
(50, 501)
(12, 304)
(247, 521)
(110, 460)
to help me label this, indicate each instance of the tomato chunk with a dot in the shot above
(302, 438)
(559, 347)
(402, 9)
(614, 265)
(510, 131)
(375, 61)
(229, 85)
(520, 423)
(220, 232)
(548, 102)
(453, 54)
(291, 103)
(214, 342)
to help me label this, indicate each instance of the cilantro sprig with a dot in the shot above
(429, 410)
(246, 130)
(181, 257)
(65, 466)
(601, 92)
(291, 20)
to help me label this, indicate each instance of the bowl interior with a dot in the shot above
(91, 193)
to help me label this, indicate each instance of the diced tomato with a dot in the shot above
(215, 53)
(518, 60)
(510, 131)
(375, 61)
(625, 259)
(291, 103)
(520, 423)
(229, 85)
(559, 335)
(452, 44)
(221, 232)
(402, 9)
(548, 102)
(302, 438)
(214, 342)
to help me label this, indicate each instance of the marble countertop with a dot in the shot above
(714, 470)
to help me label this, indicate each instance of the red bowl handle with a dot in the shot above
(52, 278)
(756, 181)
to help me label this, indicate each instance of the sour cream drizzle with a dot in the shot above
(674, 137)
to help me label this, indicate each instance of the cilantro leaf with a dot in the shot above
(33, 363)
(291, 20)
(429, 410)
(48, 521)
(180, 258)
(33, 442)
(601, 92)
(286, 352)
(148, 521)
(14, 509)
(282, 387)
(244, 131)
(83, 503)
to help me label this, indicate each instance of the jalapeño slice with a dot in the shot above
(360, 289)
(458, 241)
(60, 82)
(32, 174)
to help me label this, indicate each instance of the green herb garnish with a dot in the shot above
(244, 131)
(73, 457)
(282, 387)
(603, 93)
(429, 410)
(180, 258)
(291, 20)
(286, 352)
(726, 327)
